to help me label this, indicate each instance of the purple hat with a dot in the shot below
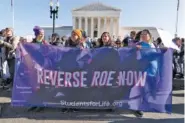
(37, 30)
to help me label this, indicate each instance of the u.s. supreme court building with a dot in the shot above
(95, 19)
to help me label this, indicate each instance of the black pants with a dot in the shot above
(11, 65)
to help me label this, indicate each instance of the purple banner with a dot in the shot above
(101, 78)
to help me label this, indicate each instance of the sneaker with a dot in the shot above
(73, 110)
(31, 109)
(39, 109)
(138, 113)
(110, 110)
(9, 89)
(65, 110)
(7, 84)
(1, 85)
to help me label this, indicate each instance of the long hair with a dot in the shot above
(138, 35)
(109, 43)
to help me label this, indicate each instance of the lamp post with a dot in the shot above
(54, 13)
(177, 18)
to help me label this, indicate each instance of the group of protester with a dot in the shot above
(79, 39)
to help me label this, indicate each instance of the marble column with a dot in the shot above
(74, 22)
(80, 22)
(86, 25)
(117, 29)
(92, 27)
(111, 26)
(99, 22)
(105, 24)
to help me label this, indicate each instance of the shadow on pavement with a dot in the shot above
(5, 93)
(178, 120)
(57, 114)
(178, 108)
(179, 95)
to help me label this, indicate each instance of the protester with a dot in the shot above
(158, 43)
(2, 59)
(129, 39)
(85, 42)
(39, 36)
(39, 39)
(79, 39)
(104, 41)
(146, 43)
(178, 59)
(63, 39)
(56, 40)
(10, 44)
(74, 40)
(118, 43)
(138, 36)
(3, 33)
(182, 40)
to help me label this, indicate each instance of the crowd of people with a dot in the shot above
(79, 39)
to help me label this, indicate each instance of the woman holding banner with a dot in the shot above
(74, 40)
(147, 44)
(39, 39)
(104, 41)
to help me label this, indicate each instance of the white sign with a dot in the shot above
(167, 39)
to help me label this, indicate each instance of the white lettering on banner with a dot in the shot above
(121, 79)
(67, 79)
(53, 77)
(127, 78)
(39, 76)
(99, 79)
(103, 78)
(46, 77)
(110, 78)
(130, 78)
(95, 78)
(76, 82)
(83, 79)
(60, 79)
(140, 79)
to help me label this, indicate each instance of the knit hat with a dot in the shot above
(37, 30)
(78, 33)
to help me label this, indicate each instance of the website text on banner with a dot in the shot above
(93, 79)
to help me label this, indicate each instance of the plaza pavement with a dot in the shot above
(20, 115)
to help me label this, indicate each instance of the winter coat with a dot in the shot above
(10, 45)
